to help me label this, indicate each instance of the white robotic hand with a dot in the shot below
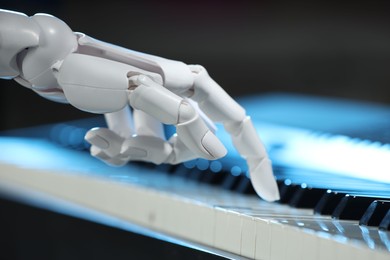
(42, 53)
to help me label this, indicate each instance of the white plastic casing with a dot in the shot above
(17, 32)
(156, 101)
(56, 41)
(94, 84)
(176, 75)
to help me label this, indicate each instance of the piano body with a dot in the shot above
(331, 159)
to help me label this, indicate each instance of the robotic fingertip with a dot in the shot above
(94, 139)
(213, 146)
(264, 182)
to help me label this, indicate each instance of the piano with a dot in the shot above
(331, 158)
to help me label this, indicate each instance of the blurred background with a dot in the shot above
(323, 48)
(330, 49)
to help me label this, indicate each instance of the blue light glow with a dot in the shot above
(301, 126)
(202, 164)
(235, 171)
(76, 137)
(215, 166)
(43, 154)
(190, 164)
(339, 155)
(64, 134)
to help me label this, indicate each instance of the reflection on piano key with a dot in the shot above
(385, 238)
(287, 190)
(328, 202)
(245, 186)
(352, 207)
(306, 197)
(385, 224)
(231, 181)
(375, 213)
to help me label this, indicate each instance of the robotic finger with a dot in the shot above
(220, 107)
(106, 145)
(110, 145)
(148, 142)
(145, 142)
(151, 131)
(169, 108)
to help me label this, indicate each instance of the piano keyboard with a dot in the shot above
(319, 216)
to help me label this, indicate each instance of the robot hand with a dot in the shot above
(42, 53)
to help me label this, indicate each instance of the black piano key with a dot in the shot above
(231, 182)
(328, 202)
(146, 165)
(306, 197)
(214, 178)
(213, 174)
(375, 213)
(182, 170)
(164, 168)
(352, 207)
(280, 183)
(385, 223)
(202, 168)
(171, 169)
(245, 186)
(195, 174)
(286, 190)
(233, 178)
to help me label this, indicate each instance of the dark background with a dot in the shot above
(332, 49)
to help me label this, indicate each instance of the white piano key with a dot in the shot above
(310, 244)
(248, 236)
(343, 251)
(171, 224)
(363, 253)
(294, 245)
(164, 221)
(161, 222)
(326, 247)
(184, 220)
(233, 237)
(263, 239)
(228, 226)
(206, 219)
(147, 208)
(176, 216)
(278, 242)
(197, 222)
(381, 255)
(221, 226)
(132, 208)
(161, 203)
